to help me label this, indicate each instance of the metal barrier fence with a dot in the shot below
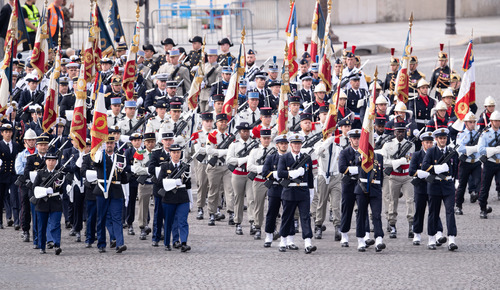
(181, 24)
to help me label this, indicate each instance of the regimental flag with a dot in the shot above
(96, 46)
(40, 54)
(467, 93)
(114, 21)
(366, 141)
(331, 119)
(17, 27)
(292, 38)
(106, 42)
(230, 105)
(88, 53)
(99, 129)
(284, 92)
(402, 85)
(79, 123)
(325, 68)
(129, 68)
(318, 30)
(194, 90)
(51, 100)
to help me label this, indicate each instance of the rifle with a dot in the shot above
(313, 140)
(253, 73)
(38, 99)
(382, 140)
(53, 178)
(242, 106)
(472, 142)
(345, 79)
(442, 160)
(243, 153)
(493, 143)
(182, 125)
(295, 165)
(177, 173)
(59, 150)
(260, 161)
(140, 123)
(402, 152)
(142, 87)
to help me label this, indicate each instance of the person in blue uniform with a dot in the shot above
(442, 189)
(47, 191)
(420, 189)
(109, 194)
(129, 210)
(177, 197)
(8, 152)
(369, 192)
(491, 166)
(298, 194)
(86, 167)
(269, 170)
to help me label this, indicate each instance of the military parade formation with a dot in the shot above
(288, 149)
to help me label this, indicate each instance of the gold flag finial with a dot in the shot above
(376, 73)
(243, 33)
(137, 12)
(411, 19)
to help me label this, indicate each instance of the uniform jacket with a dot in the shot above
(48, 204)
(7, 169)
(295, 193)
(180, 194)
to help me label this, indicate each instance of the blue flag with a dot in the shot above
(107, 47)
(114, 21)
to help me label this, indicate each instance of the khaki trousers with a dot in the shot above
(202, 182)
(242, 186)
(216, 176)
(259, 194)
(331, 191)
(144, 192)
(399, 184)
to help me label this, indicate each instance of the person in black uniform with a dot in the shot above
(440, 78)
(354, 95)
(129, 214)
(222, 58)
(390, 78)
(422, 104)
(269, 170)
(194, 56)
(440, 118)
(86, 170)
(109, 194)
(168, 44)
(49, 203)
(177, 197)
(78, 199)
(414, 76)
(8, 153)
(298, 194)
(442, 189)
(369, 192)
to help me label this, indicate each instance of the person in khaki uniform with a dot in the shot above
(199, 146)
(212, 70)
(145, 188)
(242, 185)
(328, 184)
(255, 164)
(218, 174)
(177, 72)
(156, 123)
(399, 179)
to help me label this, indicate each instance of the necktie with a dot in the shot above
(265, 151)
(253, 117)
(175, 128)
(130, 124)
(293, 122)
(471, 136)
(357, 94)
(33, 95)
(443, 151)
(297, 158)
(116, 120)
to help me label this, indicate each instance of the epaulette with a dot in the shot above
(421, 74)
(486, 130)
(150, 90)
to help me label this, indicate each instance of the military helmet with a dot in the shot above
(441, 106)
(489, 101)
(470, 117)
(495, 116)
(422, 82)
(380, 100)
(400, 107)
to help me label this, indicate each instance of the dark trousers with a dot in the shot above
(4, 194)
(90, 231)
(32, 37)
(347, 207)
(15, 203)
(35, 224)
(274, 204)
(113, 206)
(130, 217)
(109, 226)
(78, 208)
(421, 201)
(68, 211)
(468, 173)
(490, 170)
(179, 212)
(362, 224)
(25, 209)
(49, 222)
(157, 219)
(442, 191)
(289, 207)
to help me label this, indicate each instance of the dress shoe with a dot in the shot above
(211, 222)
(331, 216)
(78, 237)
(257, 235)
(112, 244)
(131, 231)
(282, 249)
(416, 243)
(489, 209)
(276, 235)
(362, 249)
(400, 194)
(58, 251)
(143, 235)
(121, 248)
(42, 251)
(185, 248)
(458, 211)
(200, 214)
(72, 233)
(369, 242)
(388, 228)
(68, 225)
(50, 245)
(410, 233)
(17, 227)
(310, 249)
(10, 223)
(177, 244)
(441, 241)
(431, 246)
(219, 216)
(345, 245)
(1, 227)
(154, 244)
(245, 207)
(124, 225)
(239, 231)
(88, 246)
(267, 244)
(338, 236)
(252, 228)
(323, 228)
(231, 219)
(452, 247)
(292, 247)
(26, 237)
(379, 247)
(35, 247)
(168, 248)
(473, 197)
(102, 250)
(483, 214)
(147, 230)
(393, 233)
(318, 233)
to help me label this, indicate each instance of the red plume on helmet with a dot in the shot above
(117, 70)
(353, 49)
(306, 46)
(345, 45)
(441, 46)
(392, 51)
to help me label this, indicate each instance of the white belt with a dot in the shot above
(298, 184)
(446, 179)
(494, 160)
(422, 121)
(181, 186)
(401, 170)
(53, 195)
(374, 181)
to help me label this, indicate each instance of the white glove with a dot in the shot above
(203, 84)
(49, 190)
(242, 160)
(441, 168)
(311, 194)
(469, 150)
(178, 182)
(9, 110)
(202, 150)
(91, 175)
(259, 168)
(296, 173)
(353, 170)
(190, 196)
(275, 175)
(140, 101)
(490, 151)
(361, 103)
(222, 152)
(416, 133)
(79, 161)
(398, 162)
(40, 192)
(422, 174)
(98, 156)
(125, 138)
(1, 162)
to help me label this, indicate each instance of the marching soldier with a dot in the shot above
(298, 194)
(415, 76)
(449, 99)
(158, 122)
(220, 87)
(87, 169)
(177, 72)
(356, 99)
(175, 121)
(260, 83)
(343, 139)
(390, 78)
(489, 147)
(129, 121)
(439, 119)
(237, 157)
(159, 93)
(252, 113)
(273, 74)
(149, 52)
(168, 44)
(442, 189)
(223, 58)
(194, 56)
(129, 213)
(115, 116)
(114, 92)
(422, 105)
(399, 179)
(306, 93)
(266, 115)
(489, 108)
(318, 102)
(440, 78)
(293, 122)
(212, 70)
(47, 191)
(8, 151)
